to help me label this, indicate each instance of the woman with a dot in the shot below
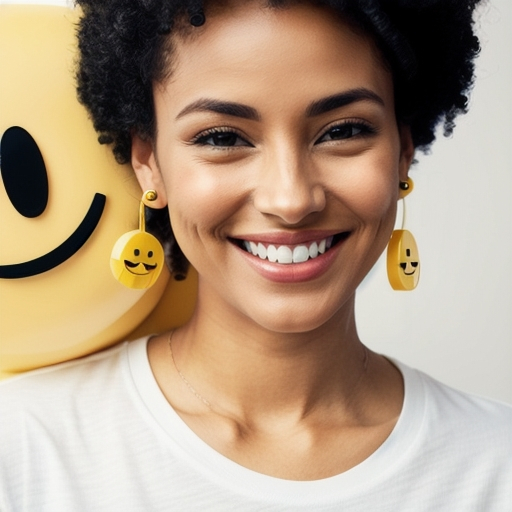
(278, 136)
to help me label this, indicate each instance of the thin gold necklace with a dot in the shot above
(189, 386)
(207, 403)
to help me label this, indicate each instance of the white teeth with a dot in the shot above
(262, 251)
(272, 253)
(313, 250)
(286, 255)
(300, 254)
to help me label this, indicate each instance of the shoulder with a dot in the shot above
(459, 443)
(465, 405)
(65, 400)
(467, 421)
(60, 386)
(58, 422)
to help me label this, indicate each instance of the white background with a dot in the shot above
(457, 325)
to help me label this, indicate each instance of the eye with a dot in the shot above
(218, 137)
(23, 172)
(346, 130)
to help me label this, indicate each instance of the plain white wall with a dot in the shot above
(457, 325)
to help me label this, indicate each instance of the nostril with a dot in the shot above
(23, 172)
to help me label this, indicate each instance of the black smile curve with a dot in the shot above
(129, 265)
(409, 273)
(64, 251)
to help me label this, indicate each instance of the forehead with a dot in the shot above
(250, 43)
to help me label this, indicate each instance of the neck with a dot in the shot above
(243, 370)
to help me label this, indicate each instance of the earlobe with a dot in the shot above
(406, 151)
(146, 169)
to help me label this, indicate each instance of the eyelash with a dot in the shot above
(362, 129)
(201, 138)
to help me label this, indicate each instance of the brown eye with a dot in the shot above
(220, 138)
(224, 139)
(346, 131)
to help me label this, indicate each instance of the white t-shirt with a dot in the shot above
(98, 435)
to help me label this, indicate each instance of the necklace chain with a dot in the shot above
(205, 402)
(189, 386)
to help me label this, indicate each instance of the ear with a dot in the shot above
(406, 151)
(146, 169)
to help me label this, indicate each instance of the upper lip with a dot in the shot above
(289, 238)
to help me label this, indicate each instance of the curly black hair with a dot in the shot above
(429, 45)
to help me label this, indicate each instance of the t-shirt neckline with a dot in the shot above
(227, 473)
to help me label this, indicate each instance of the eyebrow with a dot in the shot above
(341, 100)
(316, 108)
(221, 107)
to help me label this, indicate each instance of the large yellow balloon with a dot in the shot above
(64, 202)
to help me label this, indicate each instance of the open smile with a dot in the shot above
(291, 257)
(287, 254)
(64, 251)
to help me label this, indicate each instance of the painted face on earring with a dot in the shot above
(403, 261)
(137, 259)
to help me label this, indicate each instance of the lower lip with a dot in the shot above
(293, 272)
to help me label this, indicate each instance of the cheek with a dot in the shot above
(201, 201)
(369, 188)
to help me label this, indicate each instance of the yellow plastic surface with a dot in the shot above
(405, 193)
(403, 262)
(77, 307)
(137, 259)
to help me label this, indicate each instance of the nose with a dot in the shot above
(288, 188)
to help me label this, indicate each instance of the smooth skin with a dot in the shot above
(248, 147)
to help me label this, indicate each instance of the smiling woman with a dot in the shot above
(278, 137)
(244, 156)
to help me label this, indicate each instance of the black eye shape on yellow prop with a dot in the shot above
(23, 172)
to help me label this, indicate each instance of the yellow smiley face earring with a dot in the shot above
(403, 262)
(138, 257)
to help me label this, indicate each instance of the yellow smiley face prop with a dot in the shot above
(64, 201)
(403, 262)
(137, 259)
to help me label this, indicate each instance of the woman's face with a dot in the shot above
(276, 134)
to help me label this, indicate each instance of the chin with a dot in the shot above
(292, 318)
